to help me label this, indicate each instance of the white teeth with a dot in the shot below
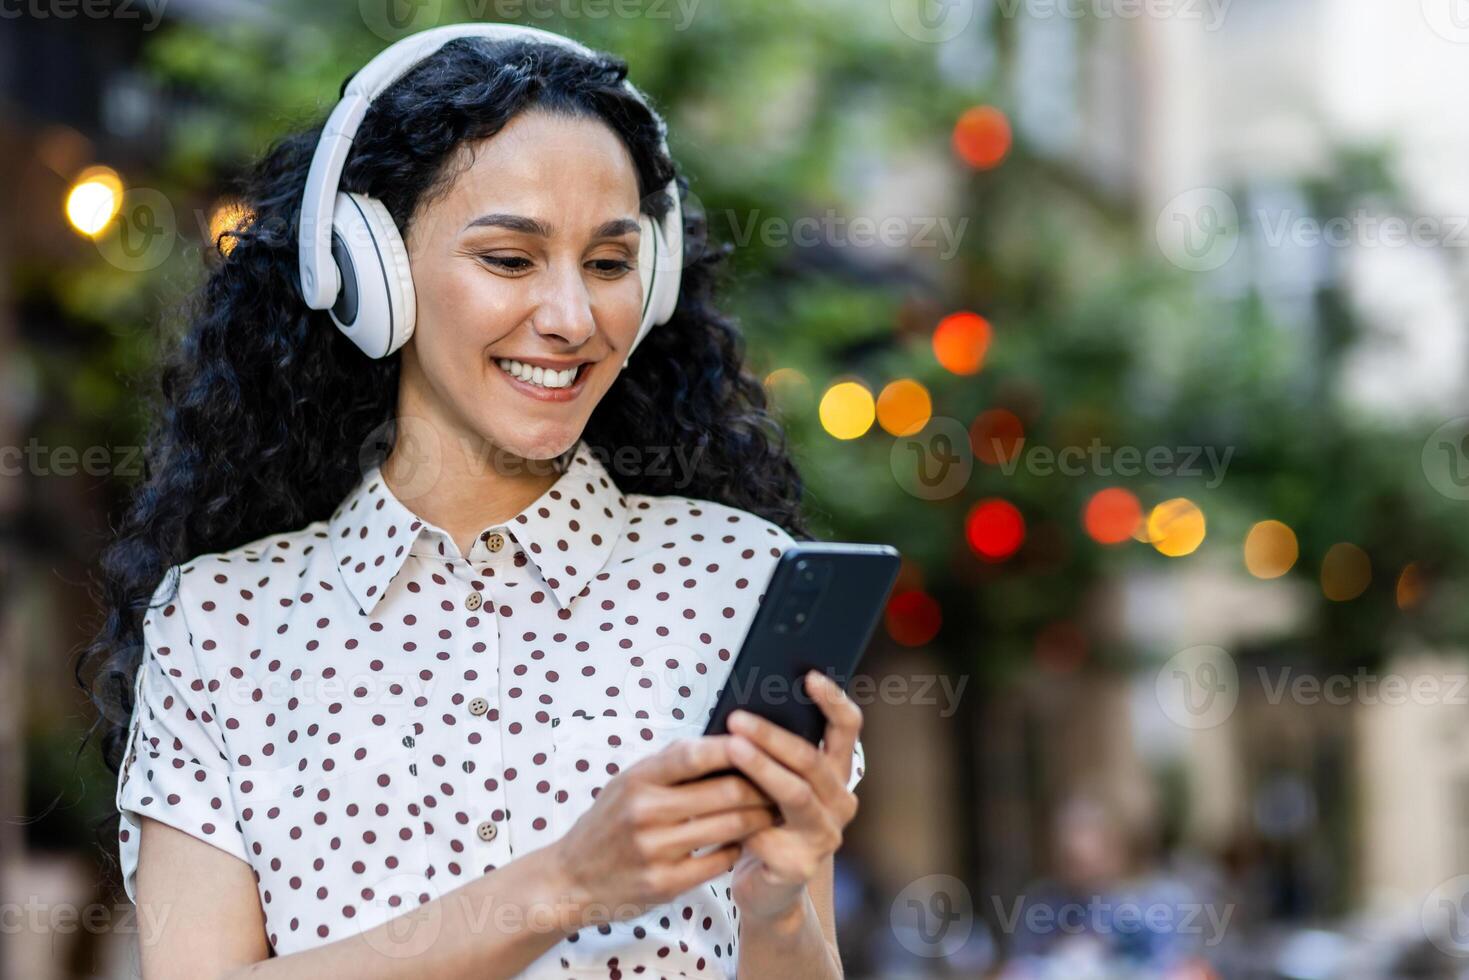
(537, 375)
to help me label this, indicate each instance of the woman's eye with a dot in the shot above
(612, 265)
(510, 263)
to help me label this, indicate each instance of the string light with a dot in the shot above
(960, 342)
(1112, 515)
(847, 410)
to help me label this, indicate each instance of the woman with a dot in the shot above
(438, 711)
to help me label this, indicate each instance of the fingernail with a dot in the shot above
(739, 718)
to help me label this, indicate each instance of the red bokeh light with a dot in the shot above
(913, 618)
(995, 529)
(996, 436)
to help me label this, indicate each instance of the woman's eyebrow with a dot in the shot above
(534, 226)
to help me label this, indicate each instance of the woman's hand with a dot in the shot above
(809, 785)
(631, 850)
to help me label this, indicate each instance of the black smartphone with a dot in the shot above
(819, 610)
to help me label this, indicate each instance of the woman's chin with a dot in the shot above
(535, 441)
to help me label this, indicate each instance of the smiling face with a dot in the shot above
(527, 287)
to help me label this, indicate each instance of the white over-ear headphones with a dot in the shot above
(353, 261)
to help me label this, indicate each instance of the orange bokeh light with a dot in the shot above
(1112, 516)
(960, 342)
(904, 407)
(982, 137)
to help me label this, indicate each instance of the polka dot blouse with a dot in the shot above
(370, 719)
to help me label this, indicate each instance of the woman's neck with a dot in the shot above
(463, 490)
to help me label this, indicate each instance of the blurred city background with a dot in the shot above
(1138, 326)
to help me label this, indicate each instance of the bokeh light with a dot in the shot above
(847, 410)
(1270, 549)
(228, 216)
(1176, 527)
(982, 137)
(996, 436)
(904, 407)
(94, 200)
(1410, 586)
(1346, 571)
(1112, 515)
(995, 529)
(788, 389)
(960, 342)
(913, 618)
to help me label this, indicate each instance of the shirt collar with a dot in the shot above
(568, 532)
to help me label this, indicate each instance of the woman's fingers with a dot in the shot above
(843, 721)
(685, 759)
(796, 798)
(667, 843)
(790, 750)
(691, 872)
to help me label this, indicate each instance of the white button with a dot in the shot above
(479, 706)
(487, 830)
(473, 601)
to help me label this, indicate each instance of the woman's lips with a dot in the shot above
(541, 392)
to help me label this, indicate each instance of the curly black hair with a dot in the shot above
(264, 407)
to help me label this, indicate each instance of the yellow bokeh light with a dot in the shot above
(94, 199)
(1176, 527)
(1270, 549)
(904, 407)
(847, 410)
(1346, 571)
(228, 216)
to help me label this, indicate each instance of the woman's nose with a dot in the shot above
(565, 308)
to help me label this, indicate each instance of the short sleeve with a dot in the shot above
(859, 766)
(173, 768)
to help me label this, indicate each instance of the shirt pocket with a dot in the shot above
(587, 751)
(340, 845)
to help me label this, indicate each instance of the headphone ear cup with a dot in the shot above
(670, 261)
(376, 306)
(660, 267)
